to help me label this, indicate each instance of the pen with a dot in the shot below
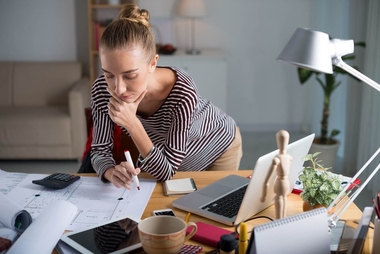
(129, 159)
(243, 237)
(187, 217)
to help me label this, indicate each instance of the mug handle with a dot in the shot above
(193, 231)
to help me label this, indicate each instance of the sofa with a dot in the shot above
(42, 112)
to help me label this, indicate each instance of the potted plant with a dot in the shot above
(320, 186)
(328, 84)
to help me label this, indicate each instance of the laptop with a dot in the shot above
(206, 202)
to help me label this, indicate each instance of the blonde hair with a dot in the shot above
(131, 29)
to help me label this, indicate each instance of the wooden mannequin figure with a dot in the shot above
(281, 164)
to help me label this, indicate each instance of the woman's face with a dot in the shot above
(126, 72)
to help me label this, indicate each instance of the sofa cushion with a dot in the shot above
(34, 126)
(6, 70)
(44, 83)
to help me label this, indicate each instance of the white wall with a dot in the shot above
(263, 94)
(38, 30)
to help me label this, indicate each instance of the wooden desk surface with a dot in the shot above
(294, 206)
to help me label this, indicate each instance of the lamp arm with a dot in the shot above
(337, 61)
(335, 215)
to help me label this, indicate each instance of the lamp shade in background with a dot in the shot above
(308, 49)
(191, 8)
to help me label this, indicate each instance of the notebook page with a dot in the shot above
(298, 234)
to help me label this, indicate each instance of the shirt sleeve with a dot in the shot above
(164, 161)
(102, 136)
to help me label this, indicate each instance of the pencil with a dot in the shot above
(187, 217)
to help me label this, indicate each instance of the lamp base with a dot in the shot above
(341, 237)
(193, 52)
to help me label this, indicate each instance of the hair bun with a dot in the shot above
(132, 12)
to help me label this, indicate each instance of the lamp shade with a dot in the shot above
(308, 49)
(191, 8)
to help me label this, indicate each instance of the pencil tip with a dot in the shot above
(138, 187)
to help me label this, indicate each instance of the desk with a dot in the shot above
(294, 206)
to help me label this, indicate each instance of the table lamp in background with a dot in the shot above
(314, 50)
(192, 9)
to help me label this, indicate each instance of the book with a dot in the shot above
(306, 232)
(179, 186)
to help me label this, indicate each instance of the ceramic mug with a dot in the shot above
(164, 234)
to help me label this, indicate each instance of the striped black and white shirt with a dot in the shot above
(189, 133)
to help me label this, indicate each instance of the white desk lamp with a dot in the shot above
(192, 9)
(315, 51)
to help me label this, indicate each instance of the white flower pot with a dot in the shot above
(327, 155)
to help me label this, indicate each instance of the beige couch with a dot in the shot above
(42, 110)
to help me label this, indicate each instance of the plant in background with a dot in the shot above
(319, 185)
(329, 84)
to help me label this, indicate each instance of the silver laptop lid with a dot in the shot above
(251, 203)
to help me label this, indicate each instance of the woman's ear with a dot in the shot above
(153, 64)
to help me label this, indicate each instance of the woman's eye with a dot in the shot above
(108, 76)
(130, 77)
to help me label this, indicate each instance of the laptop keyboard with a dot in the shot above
(229, 205)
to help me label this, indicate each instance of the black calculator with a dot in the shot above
(57, 180)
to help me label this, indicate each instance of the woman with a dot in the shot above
(172, 126)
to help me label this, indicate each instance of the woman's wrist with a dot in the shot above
(108, 174)
(133, 125)
(142, 160)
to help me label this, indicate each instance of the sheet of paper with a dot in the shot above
(96, 201)
(13, 216)
(44, 233)
(9, 234)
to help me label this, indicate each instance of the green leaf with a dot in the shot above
(336, 185)
(304, 75)
(339, 70)
(334, 133)
(348, 57)
(308, 157)
(319, 185)
(360, 44)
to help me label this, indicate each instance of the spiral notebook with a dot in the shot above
(302, 233)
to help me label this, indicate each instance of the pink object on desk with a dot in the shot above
(208, 234)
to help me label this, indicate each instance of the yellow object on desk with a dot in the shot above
(243, 237)
(187, 217)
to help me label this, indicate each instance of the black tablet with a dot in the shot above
(118, 236)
